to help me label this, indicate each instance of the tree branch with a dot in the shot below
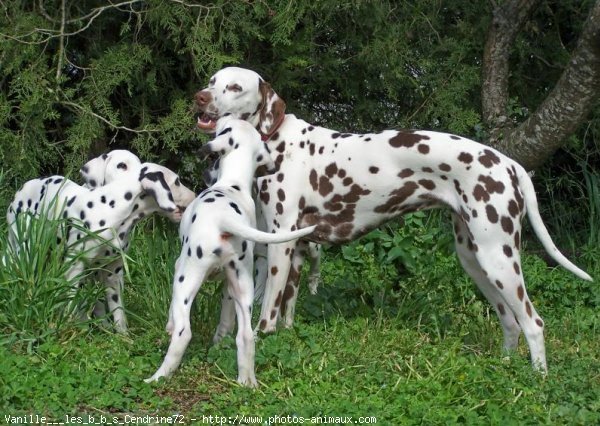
(508, 19)
(108, 122)
(61, 45)
(567, 105)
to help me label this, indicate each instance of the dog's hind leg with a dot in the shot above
(279, 268)
(241, 289)
(188, 278)
(465, 252)
(501, 262)
(227, 319)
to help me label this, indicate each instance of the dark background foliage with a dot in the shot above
(78, 78)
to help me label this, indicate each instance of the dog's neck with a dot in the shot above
(237, 169)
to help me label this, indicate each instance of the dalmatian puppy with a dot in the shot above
(95, 174)
(305, 249)
(348, 184)
(222, 240)
(105, 211)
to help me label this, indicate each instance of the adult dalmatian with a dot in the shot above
(348, 184)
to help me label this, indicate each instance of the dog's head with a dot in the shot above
(243, 94)
(109, 167)
(235, 134)
(168, 196)
(166, 189)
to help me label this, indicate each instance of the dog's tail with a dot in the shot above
(250, 233)
(539, 228)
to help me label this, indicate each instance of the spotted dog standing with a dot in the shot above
(348, 184)
(95, 174)
(305, 249)
(109, 211)
(222, 239)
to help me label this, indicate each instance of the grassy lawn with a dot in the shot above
(382, 342)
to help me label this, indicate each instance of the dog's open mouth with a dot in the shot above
(206, 122)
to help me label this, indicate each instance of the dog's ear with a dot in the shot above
(154, 183)
(221, 145)
(93, 171)
(272, 110)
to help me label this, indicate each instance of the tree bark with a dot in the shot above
(507, 21)
(567, 105)
(558, 116)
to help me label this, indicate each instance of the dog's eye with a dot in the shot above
(177, 182)
(212, 81)
(234, 87)
(122, 166)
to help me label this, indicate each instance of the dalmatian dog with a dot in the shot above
(306, 249)
(348, 184)
(222, 240)
(96, 173)
(108, 212)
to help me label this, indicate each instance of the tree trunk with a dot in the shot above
(559, 115)
(507, 21)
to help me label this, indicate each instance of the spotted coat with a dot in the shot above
(348, 184)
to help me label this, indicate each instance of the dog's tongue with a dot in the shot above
(206, 123)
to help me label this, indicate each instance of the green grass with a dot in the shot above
(404, 342)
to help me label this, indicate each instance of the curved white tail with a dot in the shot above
(539, 228)
(249, 233)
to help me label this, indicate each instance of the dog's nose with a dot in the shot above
(203, 97)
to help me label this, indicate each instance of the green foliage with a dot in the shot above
(38, 301)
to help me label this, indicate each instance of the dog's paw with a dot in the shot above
(249, 382)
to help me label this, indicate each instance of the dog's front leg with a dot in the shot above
(279, 263)
(114, 296)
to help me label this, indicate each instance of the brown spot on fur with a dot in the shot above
(287, 295)
(397, 197)
(313, 179)
(279, 208)
(507, 224)
(423, 149)
(374, 169)
(539, 322)
(501, 309)
(331, 170)
(325, 186)
(278, 300)
(507, 250)
(344, 230)
(517, 241)
(517, 268)
(492, 214)
(480, 193)
(465, 157)
(281, 194)
(499, 284)
(492, 185)
(274, 270)
(520, 292)
(528, 308)
(273, 313)
(445, 167)
(488, 158)
(406, 139)
(427, 184)
(513, 208)
(263, 324)
(405, 173)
